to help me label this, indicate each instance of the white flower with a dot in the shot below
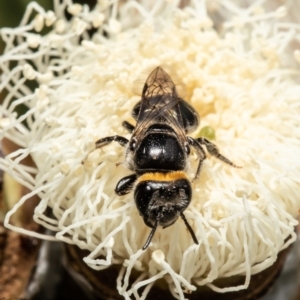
(237, 82)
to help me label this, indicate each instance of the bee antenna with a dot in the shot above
(151, 235)
(190, 229)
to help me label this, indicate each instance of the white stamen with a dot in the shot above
(38, 22)
(75, 9)
(50, 18)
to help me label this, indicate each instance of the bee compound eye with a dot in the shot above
(142, 197)
(184, 191)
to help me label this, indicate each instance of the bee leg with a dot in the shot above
(213, 150)
(105, 141)
(117, 138)
(125, 185)
(128, 126)
(200, 152)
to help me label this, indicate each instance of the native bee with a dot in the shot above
(157, 153)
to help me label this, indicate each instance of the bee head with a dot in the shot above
(161, 198)
(162, 201)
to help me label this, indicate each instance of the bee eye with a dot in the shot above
(142, 195)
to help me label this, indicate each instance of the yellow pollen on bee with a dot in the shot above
(158, 176)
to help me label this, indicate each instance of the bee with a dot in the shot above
(157, 153)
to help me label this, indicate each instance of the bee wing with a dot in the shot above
(159, 104)
(139, 83)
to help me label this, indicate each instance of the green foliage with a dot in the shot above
(11, 12)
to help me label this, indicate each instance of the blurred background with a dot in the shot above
(11, 12)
